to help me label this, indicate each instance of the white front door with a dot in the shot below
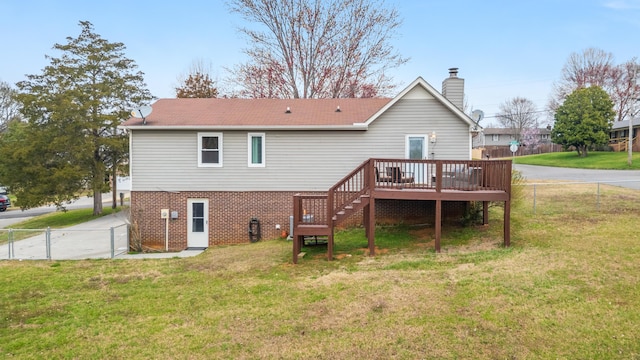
(416, 149)
(197, 223)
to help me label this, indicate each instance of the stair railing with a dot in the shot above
(348, 189)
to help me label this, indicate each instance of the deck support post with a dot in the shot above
(371, 226)
(296, 251)
(330, 244)
(296, 217)
(297, 246)
(438, 224)
(507, 223)
(365, 220)
(485, 213)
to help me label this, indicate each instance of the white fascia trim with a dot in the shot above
(355, 126)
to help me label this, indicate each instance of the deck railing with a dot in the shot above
(348, 189)
(310, 209)
(621, 143)
(443, 174)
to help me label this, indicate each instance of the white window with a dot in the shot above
(256, 149)
(495, 137)
(209, 149)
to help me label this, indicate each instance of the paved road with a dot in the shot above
(623, 178)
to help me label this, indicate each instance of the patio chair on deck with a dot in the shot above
(398, 176)
(381, 178)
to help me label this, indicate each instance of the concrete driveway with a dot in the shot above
(624, 178)
(90, 240)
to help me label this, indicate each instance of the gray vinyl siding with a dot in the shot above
(295, 160)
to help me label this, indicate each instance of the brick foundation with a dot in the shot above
(230, 213)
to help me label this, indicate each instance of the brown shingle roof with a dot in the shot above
(259, 112)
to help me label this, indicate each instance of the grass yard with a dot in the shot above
(568, 288)
(594, 160)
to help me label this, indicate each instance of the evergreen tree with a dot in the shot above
(584, 119)
(71, 140)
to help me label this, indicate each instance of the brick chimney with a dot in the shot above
(453, 88)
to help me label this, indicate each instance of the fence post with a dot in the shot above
(47, 241)
(113, 243)
(10, 244)
(128, 237)
(534, 199)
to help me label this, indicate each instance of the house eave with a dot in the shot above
(355, 126)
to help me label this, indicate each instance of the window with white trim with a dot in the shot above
(256, 150)
(495, 137)
(209, 149)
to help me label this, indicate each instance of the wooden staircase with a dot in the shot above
(350, 209)
(317, 215)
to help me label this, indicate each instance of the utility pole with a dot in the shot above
(634, 90)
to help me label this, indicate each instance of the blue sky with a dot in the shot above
(504, 48)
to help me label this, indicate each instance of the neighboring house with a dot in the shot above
(504, 137)
(211, 166)
(619, 135)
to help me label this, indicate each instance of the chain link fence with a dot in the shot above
(542, 198)
(599, 196)
(64, 244)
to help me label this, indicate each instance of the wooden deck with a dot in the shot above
(436, 180)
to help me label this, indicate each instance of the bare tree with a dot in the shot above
(625, 90)
(591, 67)
(518, 114)
(625, 96)
(317, 48)
(263, 79)
(595, 67)
(9, 106)
(197, 83)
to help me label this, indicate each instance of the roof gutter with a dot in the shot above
(355, 126)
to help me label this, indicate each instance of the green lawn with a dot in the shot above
(567, 288)
(594, 160)
(62, 219)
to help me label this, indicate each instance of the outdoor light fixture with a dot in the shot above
(432, 141)
(432, 138)
(288, 111)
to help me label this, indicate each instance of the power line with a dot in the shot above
(522, 113)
